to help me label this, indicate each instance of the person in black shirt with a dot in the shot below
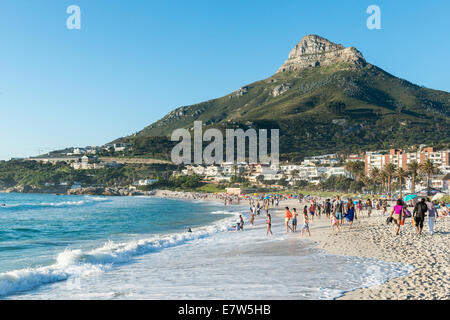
(419, 215)
(328, 208)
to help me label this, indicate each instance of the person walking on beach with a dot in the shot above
(445, 211)
(334, 223)
(267, 207)
(319, 209)
(294, 220)
(287, 218)
(350, 215)
(359, 208)
(398, 215)
(312, 210)
(338, 209)
(269, 225)
(328, 208)
(369, 207)
(432, 215)
(305, 226)
(419, 215)
(385, 204)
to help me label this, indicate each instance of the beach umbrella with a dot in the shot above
(437, 196)
(409, 197)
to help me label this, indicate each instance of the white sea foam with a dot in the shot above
(31, 205)
(76, 263)
(205, 264)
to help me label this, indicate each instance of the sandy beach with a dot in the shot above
(373, 238)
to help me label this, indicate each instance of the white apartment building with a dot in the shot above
(402, 159)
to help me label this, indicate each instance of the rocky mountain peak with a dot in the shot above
(314, 51)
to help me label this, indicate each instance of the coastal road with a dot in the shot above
(134, 160)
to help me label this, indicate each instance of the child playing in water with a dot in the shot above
(305, 224)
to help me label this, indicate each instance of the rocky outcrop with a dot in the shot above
(97, 191)
(280, 89)
(108, 191)
(242, 91)
(314, 51)
(22, 189)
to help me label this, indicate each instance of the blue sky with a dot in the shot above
(134, 61)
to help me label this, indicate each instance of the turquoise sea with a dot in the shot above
(91, 247)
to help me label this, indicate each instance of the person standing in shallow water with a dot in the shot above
(288, 217)
(269, 224)
(252, 216)
(241, 221)
(294, 220)
(305, 226)
(312, 210)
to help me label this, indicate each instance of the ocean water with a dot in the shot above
(87, 247)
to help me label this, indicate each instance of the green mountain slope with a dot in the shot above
(325, 98)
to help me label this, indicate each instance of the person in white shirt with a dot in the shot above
(432, 215)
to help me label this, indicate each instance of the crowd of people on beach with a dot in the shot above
(344, 212)
(340, 212)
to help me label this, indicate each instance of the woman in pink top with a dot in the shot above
(398, 215)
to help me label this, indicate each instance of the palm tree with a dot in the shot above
(375, 177)
(428, 168)
(356, 169)
(367, 181)
(401, 174)
(349, 166)
(413, 169)
(389, 170)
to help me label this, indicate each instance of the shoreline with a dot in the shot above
(373, 238)
(370, 238)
